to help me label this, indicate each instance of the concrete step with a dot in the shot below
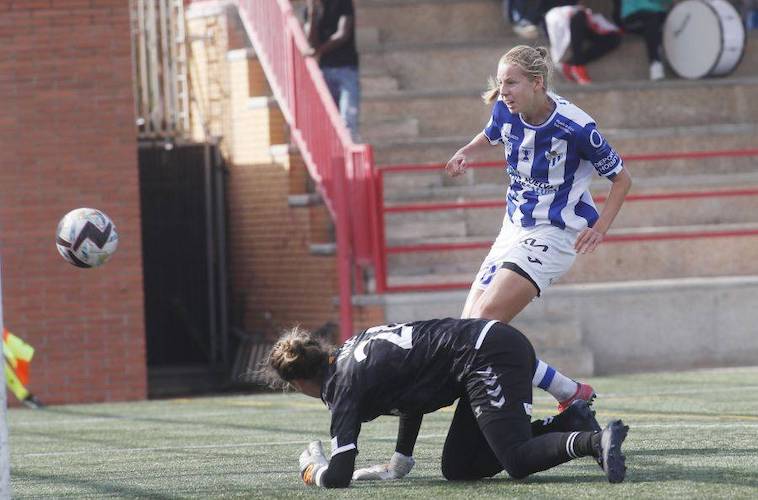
(626, 141)
(449, 65)
(379, 83)
(390, 128)
(711, 208)
(706, 250)
(411, 21)
(452, 113)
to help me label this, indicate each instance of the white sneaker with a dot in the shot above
(527, 30)
(656, 71)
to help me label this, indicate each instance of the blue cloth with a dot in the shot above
(629, 7)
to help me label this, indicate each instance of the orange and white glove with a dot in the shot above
(312, 461)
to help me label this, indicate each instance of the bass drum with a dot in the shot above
(703, 38)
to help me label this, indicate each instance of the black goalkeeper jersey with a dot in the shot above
(411, 368)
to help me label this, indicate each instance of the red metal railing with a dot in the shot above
(382, 285)
(343, 171)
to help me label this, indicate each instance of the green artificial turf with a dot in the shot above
(693, 435)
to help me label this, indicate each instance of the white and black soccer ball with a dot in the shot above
(86, 237)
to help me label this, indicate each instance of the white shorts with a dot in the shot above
(543, 252)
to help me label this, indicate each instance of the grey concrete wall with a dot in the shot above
(667, 324)
(633, 326)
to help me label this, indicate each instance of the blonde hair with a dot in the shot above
(298, 354)
(533, 61)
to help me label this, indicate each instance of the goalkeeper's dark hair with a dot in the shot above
(298, 354)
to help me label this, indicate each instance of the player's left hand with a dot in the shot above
(398, 467)
(312, 459)
(588, 240)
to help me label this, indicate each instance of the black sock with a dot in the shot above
(582, 443)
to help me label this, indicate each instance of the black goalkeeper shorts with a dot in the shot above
(499, 385)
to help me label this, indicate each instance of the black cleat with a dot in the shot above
(609, 455)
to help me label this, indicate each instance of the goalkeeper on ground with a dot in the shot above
(415, 368)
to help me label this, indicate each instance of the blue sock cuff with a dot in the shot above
(547, 378)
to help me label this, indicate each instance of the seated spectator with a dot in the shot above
(588, 35)
(646, 18)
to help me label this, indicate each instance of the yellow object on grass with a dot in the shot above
(18, 354)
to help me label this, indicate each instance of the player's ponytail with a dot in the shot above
(534, 61)
(297, 355)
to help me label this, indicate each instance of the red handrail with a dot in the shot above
(381, 278)
(343, 171)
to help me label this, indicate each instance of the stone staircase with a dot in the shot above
(424, 64)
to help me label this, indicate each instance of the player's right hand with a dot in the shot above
(398, 467)
(312, 459)
(456, 165)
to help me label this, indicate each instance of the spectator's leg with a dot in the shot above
(653, 34)
(600, 45)
(579, 34)
(350, 101)
(331, 77)
(344, 86)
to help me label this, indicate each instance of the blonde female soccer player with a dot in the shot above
(415, 368)
(552, 150)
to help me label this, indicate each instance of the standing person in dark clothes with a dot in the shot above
(330, 28)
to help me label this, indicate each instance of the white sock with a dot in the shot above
(551, 380)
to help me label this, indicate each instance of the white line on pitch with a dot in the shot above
(93, 451)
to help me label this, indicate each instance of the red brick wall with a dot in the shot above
(68, 140)
(276, 281)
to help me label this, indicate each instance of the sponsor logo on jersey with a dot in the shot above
(563, 126)
(530, 183)
(608, 163)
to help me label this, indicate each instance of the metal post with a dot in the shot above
(220, 234)
(344, 268)
(5, 460)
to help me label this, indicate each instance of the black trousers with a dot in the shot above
(586, 45)
(650, 26)
(491, 430)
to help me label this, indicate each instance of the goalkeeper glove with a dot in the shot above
(399, 467)
(312, 460)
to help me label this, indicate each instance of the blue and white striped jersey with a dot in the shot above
(551, 165)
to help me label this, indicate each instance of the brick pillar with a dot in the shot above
(68, 138)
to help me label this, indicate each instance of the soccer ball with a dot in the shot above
(86, 237)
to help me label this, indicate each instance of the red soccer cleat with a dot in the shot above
(585, 392)
(566, 71)
(580, 75)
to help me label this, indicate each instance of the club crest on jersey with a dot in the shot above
(553, 157)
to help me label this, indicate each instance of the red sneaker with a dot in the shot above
(580, 75)
(585, 392)
(566, 71)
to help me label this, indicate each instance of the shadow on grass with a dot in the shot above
(93, 486)
(168, 421)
